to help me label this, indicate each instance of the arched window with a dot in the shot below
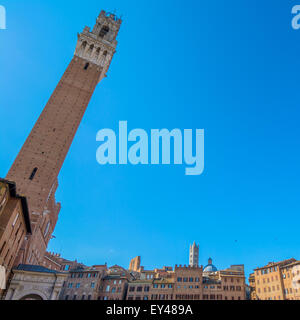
(91, 49)
(103, 31)
(33, 173)
(86, 66)
(98, 52)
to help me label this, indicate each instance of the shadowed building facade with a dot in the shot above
(14, 226)
(39, 162)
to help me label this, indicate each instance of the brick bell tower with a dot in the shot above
(38, 164)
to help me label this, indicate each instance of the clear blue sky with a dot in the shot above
(229, 67)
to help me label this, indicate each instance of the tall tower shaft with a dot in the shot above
(194, 255)
(36, 168)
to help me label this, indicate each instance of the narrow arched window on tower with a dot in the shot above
(103, 31)
(86, 66)
(33, 173)
(47, 229)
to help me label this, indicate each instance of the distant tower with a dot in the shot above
(38, 164)
(135, 264)
(194, 255)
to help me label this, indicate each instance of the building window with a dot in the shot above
(33, 173)
(74, 298)
(67, 297)
(147, 288)
(113, 290)
(70, 285)
(86, 66)
(131, 289)
(179, 279)
(77, 285)
(139, 289)
(83, 297)
(93, 285)
(163, 286)
(103, 31)
(107, 288)
(89, 297)
(155, 286)
(145, 297)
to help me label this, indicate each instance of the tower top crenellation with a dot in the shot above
(110, 15)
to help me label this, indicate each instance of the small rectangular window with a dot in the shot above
(33, 173)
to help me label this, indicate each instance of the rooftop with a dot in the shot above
(280, 263)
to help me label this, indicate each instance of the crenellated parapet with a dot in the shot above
(187, 267)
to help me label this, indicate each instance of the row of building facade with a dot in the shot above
(276, 281)
(57, 278)
(61, 279)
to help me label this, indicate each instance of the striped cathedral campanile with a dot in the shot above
(38, 164)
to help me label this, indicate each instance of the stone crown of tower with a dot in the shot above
(99, 45)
